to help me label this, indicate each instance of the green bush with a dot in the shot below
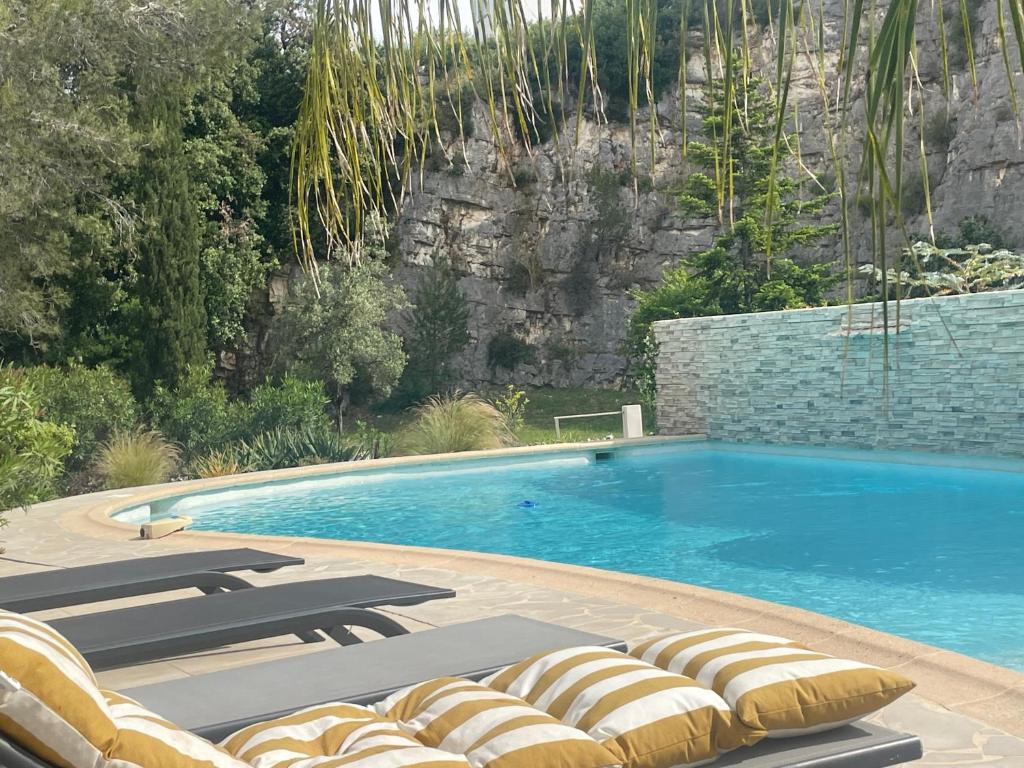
(32, 451)
(979, 229)
(96, 402)
(455, 423)
(282, 448)
(130, 459)
(368, 440)
(219, 464)
(506, 350)
(512, 407)
(438, 330)
(292, 404)
(197, 413)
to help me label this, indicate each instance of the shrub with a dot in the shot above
(940, 130)
(438, 330)
(455, 423)
(281, 448)
(32, 451)
(373, 442)
(294, 403)
(512, 407)
(129, 459)
(518, 279)
(197, 414)
(506, 350)
(95, 402)
(979, 229)
(219, 464)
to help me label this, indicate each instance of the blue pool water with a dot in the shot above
(930, 553)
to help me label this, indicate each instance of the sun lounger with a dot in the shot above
(209, 571)
(214, 705)
(147, 632)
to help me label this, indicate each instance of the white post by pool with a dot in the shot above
(632, 421)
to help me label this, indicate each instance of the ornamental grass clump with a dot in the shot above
(136, 458)
(454, 423)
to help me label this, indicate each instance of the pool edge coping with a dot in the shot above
(961, 683)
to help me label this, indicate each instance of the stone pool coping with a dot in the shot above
(972, 687)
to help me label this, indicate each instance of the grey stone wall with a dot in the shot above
(955, 380)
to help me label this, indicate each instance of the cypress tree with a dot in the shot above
(173, 333)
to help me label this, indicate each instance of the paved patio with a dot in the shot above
(61, 534)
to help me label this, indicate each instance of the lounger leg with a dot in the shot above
(212, 582)
(360, 617)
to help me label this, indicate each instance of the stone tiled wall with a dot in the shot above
(815, 376)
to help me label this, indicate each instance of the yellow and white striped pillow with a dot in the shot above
(644, 715)
(146, 739)
(493, 729)
(334, 736)
(49, 700)
(774, 684)
(51, 705)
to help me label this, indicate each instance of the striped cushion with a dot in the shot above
(145, 739)
(51, 705)
(492, 729)
(774, 684)
(332, 736)
(647, 717)
(49, 701)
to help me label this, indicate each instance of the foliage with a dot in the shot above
(512, 407)
(931, 271)
(611, 52)
(170, 292)
(94, 402)
(292, 404)
(438, 330)
(940, 130)
(370, 441)
(218, 464)
(747, 268)
(336, 331)
(32, 450)
(196, 413)
(292, 447)
(454, 423)
(130, 459)
(78, 80)
(506, 350)
(979, 229)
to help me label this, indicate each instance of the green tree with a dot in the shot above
(438, 330)
(170, 291)
(337, 332)
(95, 402)
(72, 76)
(749, 267)
(32, 450)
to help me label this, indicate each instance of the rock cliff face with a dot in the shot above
(548, 248)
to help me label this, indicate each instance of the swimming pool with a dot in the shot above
(932, 553)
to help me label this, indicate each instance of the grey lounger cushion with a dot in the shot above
(206, 570)
(217, 704)
(146, 632)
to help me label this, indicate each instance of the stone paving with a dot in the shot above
(40, 540)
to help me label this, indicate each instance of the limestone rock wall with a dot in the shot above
(549, 248)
